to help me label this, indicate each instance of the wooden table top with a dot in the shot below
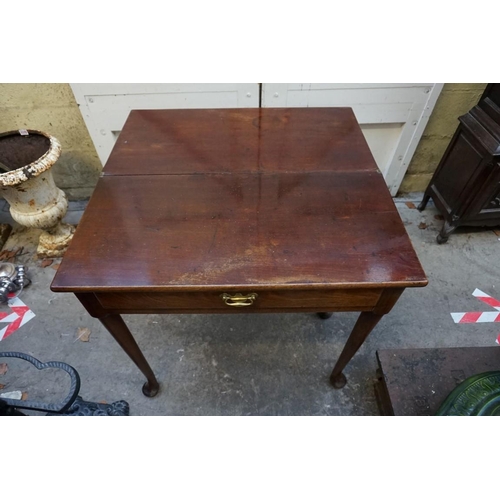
(240, 199)
(185, 141)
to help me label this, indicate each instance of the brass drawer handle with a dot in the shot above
(239, 300)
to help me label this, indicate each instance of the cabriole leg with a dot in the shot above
(120, 332)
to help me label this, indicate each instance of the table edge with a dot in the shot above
(246, 287)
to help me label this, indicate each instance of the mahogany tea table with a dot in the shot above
(240, 210)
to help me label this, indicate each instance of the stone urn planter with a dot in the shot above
(26, 182)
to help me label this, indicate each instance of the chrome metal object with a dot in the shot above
(12, 281)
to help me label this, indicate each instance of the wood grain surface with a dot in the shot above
(240, 199)
(185, 141)
(244, 231)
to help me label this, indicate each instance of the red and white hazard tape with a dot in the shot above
(478, 316)
(19, 316)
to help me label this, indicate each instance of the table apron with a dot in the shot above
(265, 301)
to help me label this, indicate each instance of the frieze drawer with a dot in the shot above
(247, 301)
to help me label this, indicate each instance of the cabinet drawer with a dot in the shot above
(300, 300)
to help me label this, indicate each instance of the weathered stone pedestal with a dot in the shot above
(26, 182)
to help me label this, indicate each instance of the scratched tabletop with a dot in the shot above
(247, 198)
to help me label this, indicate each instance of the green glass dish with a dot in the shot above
(478, 395)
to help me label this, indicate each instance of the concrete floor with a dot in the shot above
(269, 364)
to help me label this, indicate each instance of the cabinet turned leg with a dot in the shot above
(120, 332)
(423, 203)
(365, 324)
(325, 315)
(445, 232)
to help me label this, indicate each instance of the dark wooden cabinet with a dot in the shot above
(466, 185)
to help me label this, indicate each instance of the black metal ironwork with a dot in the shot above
(81, 408)
(71, 405)
(50, 407)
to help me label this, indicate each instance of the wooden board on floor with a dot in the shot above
(417, 381)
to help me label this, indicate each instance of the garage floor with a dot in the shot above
(269, 364)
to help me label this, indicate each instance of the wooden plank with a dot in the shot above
(417, 381)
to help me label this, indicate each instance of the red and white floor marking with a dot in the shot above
(478, 316)
(19, 316)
